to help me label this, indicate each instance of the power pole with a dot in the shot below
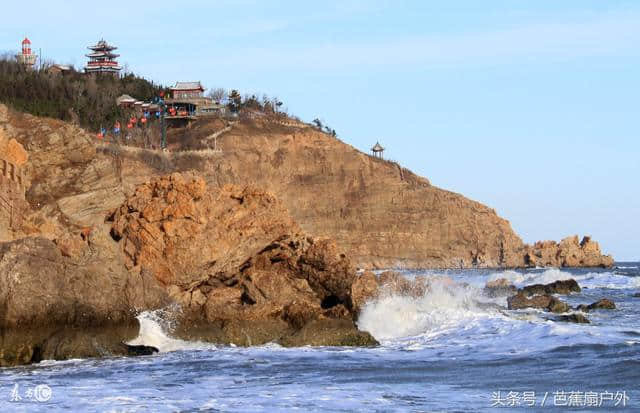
(163, 125)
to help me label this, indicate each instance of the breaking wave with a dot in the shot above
(608, 280)
(154, 331)
(443, 308)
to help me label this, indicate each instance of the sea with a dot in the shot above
(453, 349)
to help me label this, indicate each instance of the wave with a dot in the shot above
(154, 331)
(606, 280)
(442, 308)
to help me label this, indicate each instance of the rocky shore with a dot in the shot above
(90, 239)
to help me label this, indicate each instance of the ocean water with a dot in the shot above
(453, 349)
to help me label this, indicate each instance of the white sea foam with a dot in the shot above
(441, 309)
(154, 332)
(606, 279)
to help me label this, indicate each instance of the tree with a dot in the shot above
(235, 101)
(218, 94)
(318, 123)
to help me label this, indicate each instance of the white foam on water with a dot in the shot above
(450, 319)
(608, 280)
(154, 332)
(442, 308)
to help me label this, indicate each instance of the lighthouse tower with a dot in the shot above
(27, 58)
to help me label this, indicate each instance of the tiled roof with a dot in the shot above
(187, 86)
(377, 148)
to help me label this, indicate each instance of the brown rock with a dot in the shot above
(547, 302)
(556, 287)
(499, 288)
(574, 318)
(330, 333)
(364, 288)
(568, 253)
(602, 304)
(233, 256)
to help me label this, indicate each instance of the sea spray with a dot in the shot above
(155, 327)
(603, 279)
(443, 307)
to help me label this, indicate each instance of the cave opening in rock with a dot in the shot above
(330, 301)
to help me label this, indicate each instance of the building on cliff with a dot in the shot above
(102, 59)
(26, 57)
(187, 102)
(377, 150)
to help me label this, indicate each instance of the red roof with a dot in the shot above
(26, 41)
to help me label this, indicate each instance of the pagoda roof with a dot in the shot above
(102, 54)
(377, 148)
(102, 45)
(188, 86)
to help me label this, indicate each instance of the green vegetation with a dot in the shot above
(72, 96)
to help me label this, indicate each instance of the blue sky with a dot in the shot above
(529, 106)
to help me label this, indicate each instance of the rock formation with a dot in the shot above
(602, 304)
(381, 213)
(568, 253)
(242, 269)
(234, 259)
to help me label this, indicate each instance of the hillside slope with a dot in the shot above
(385, 215)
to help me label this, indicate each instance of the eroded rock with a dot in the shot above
(602, 304)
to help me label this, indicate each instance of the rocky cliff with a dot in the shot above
(383, 214)
(108, 232)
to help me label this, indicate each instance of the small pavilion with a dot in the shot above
(377, 150)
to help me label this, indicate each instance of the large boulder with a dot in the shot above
(233, 258)
(557, 287)
(545, 302)
(58, 305)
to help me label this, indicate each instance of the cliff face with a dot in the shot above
(383, 214)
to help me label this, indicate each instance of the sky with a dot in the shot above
(528, 106)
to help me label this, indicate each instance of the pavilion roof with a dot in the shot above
(126, 98)
(102, 45)
(102, 54)
(188, 86)
(377, 148)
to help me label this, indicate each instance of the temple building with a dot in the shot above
(102, 59)
(187, 90)
(27, 58)
(187, 102)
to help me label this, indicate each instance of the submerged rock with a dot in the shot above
(574, 318)
(330, 333)
(603, 304)
(500, 288)
(139, 350)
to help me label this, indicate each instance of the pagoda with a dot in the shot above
(27, 58)
(102, 59)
